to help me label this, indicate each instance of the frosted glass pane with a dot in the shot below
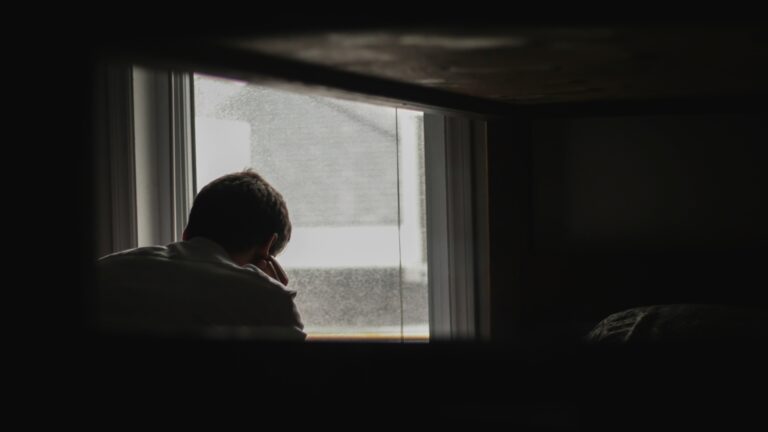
(352, 176)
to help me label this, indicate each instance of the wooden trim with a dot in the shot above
(366, 337)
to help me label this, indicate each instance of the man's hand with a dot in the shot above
(272, 268)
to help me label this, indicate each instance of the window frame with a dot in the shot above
(162, 125)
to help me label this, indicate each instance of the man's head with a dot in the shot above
(240, 211)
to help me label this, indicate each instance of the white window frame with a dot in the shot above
(164, 151)
(456, 196)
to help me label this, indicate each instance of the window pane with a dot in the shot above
(352, 176)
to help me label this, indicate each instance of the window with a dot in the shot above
(388, 205)
(352, 175)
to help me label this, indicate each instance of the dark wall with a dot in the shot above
(591, 216)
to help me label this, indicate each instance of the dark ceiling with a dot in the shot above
(541, 65)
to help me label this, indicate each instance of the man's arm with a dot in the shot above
(272, 268)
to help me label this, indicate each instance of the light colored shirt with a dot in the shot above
(193, 288)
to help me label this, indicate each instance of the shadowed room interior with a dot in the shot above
(625, 168)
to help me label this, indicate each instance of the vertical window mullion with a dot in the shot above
(182, 149)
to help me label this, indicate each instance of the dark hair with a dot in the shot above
(240, 211)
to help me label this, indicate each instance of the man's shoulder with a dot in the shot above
(175, 262)
(148, 252)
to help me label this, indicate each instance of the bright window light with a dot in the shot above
(352, 175)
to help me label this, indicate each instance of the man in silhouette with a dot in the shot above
(221, 279)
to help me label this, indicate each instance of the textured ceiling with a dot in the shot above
(529, 65)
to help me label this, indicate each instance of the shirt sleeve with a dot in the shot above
(294, 317)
